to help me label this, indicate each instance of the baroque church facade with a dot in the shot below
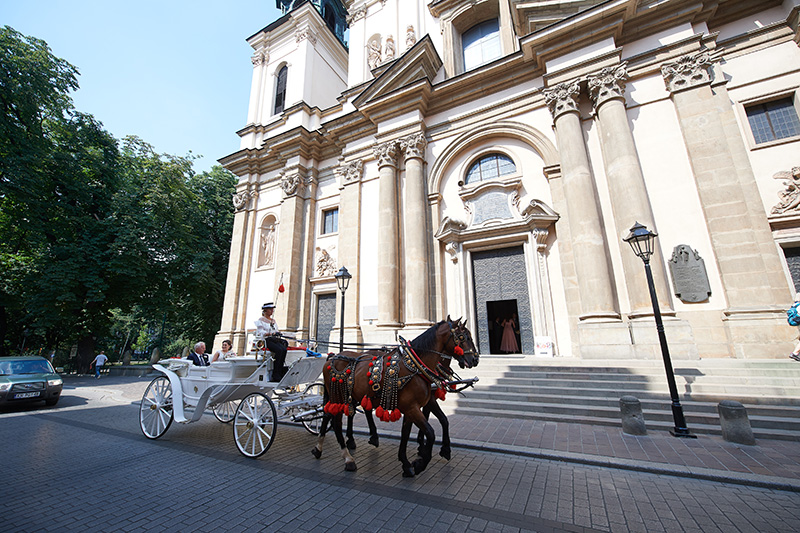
(485, 159)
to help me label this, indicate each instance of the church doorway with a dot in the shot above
(503, 316)
(500, 282)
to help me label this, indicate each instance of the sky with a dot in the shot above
(174, 72)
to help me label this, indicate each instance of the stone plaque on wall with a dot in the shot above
(689, 276)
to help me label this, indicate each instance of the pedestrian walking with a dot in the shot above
(99, 361)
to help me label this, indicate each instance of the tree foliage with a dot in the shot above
(101, 238)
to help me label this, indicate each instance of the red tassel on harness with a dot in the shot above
(441, 394)
(396, 414)
(366, 403)
(379, 412)
(458, 351)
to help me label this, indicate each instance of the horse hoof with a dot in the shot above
(350, 467)
(374, 441)
(408, 473)
(316, 453)
(351, 444)
(419, 466)
(445, 453)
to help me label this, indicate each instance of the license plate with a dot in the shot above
(26, 395)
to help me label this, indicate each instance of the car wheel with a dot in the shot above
(51, 402)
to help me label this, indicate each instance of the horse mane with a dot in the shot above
(427, 339)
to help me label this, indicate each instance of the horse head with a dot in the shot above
(463, 349)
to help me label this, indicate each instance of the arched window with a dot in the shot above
(481, 44)
(489, 167)
(280, 90)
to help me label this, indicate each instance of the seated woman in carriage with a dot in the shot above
(267, 328)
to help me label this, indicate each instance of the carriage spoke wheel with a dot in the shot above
(226, 411)
(313, 423)
(254, 425)
(155, 411)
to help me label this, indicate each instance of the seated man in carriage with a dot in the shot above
(267, 328)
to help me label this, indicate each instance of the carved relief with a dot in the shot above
(689, 276)
(411, 37)
(266, 248)
(259, 58)
(350, 172)
(414, 145)
(386, 154)
(562, 98)
(374, 52)
(790, 197)
(453, 248)
(290, 184)
(608, 84)
(240, 199)
(306, 34)
(325, 264)
(687, 72)
(358, 14)
(389, 50)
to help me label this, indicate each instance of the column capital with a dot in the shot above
(608, 84)
(687, 72)
(349, 172)
(240, 199)
(259, 58)
(358, 14)
(414, 146)
(292, 184)
(563, 98)
(386, 154)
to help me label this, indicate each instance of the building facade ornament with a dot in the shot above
(240, 199)
(358, 14)
(687, 72)
(563, 98)
(350, 172)
(306, 34)
(386, 154)
(373, 53)
(608, 84)
(259, 58)
(388, 52)
(325, 264)
(414, 146)
(411, 37)
(790, 196)
(291, 184)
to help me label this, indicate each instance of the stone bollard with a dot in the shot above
(734, 422)
(632, 419)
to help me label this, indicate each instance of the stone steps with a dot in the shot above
(588, 392)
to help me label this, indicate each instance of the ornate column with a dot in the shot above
(349, 243)
(239, 265)
(748, 261)
(629, 199)
(259, 59)
(388, 236)
(417, 233)
(585, 221)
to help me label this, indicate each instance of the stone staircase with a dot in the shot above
(588, 391)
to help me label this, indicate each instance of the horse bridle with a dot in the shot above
(459, 338)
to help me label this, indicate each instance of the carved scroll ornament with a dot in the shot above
(240, 199)
(687, 72)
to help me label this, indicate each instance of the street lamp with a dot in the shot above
(641, 240)
(342, 281)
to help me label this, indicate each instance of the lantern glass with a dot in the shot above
(343, 279)
(641, 240)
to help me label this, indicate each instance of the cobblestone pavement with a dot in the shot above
(85, 466)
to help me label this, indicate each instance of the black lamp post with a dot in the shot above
(342, 281)
(641, 240)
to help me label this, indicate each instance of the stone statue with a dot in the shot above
(790, 197)
(411, 37)
(373, 53)
(266, 256)
(389, 50)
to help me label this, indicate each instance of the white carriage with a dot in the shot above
(237, 390)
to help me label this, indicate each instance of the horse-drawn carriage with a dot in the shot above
(237, 390)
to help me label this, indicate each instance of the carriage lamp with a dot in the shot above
(342, 281)
(641, 240)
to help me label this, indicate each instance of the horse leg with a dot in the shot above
(316, 451)
(401, 452)
(426, 412)
(436, 409)
(421, 462)
(373, 431)
(349, 462)
(351, 443)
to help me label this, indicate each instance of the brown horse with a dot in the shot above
(397, 383)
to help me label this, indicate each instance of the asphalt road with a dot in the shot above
(85, 466)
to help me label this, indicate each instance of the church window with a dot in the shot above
(489, 167)
(330, 221)
(481, 44)
(280, 90)
(773, 120)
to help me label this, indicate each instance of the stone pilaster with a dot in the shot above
(349, 243)
(417, 233)
(584, 218)
(629, 199)
(388, 236)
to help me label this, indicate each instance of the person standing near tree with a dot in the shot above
(99, 361)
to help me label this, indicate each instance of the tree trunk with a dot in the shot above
(86, 355)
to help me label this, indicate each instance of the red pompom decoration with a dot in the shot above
(281, 288)
(396, 414)
(458, 351)
(441, 394)
(371, 382)
(347, 371)
(366, 403)
(379, 412)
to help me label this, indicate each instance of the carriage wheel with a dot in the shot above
(226, 411)
(314, 423)
(254, 425)
(155, 411)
